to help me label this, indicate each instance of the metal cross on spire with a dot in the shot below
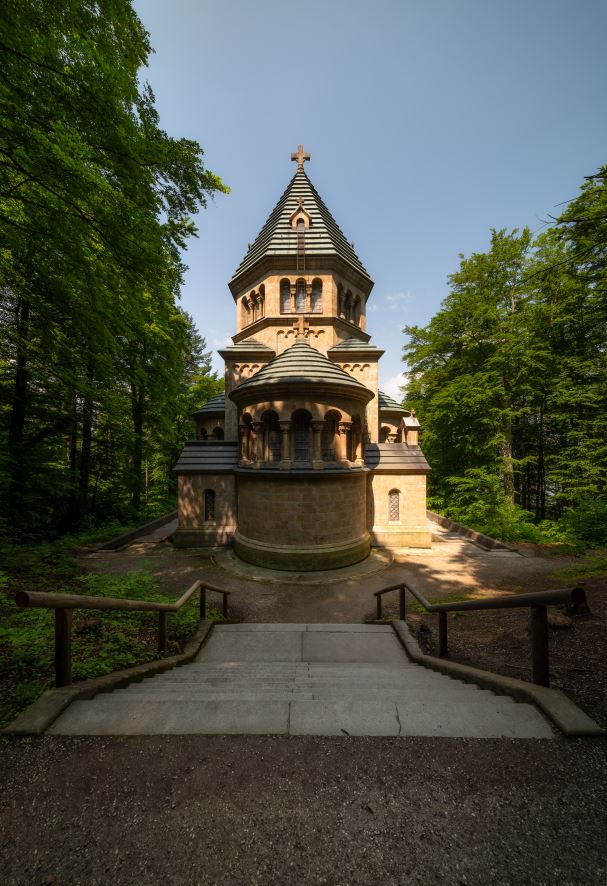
(301, 156)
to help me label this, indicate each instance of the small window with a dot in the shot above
(317, 297)
(285, 297)
(300, 297)
(394, 506)
(218, 433)
(209, 506)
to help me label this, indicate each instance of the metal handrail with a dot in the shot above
(537, 602)
(64, 605)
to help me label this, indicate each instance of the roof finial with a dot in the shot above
(301, 156)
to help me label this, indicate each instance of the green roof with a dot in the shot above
(354, 344)
(323, 237)
(387, 404)
(301, 363)
(214, 406)
(248, 345)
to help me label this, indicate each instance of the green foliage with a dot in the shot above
(592, 567)
(103, 641)
(97, 362)
(509, 380)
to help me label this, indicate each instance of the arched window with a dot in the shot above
(246, 311)
(209, 506)
(301, 432)
(301, 226)
(356, 311)
(218, 433)
(340, 302)
(300, 297)
(394, 506)
(317, 297)
(383, 434)
(261, 301)
(254, 307)
(202, 434)
(272, 437)
(348, 306)
(285, 297)
(327, 438)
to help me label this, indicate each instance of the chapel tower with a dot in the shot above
(301, 276)
(302, 463)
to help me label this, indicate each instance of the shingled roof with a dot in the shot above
(323, 237)
(355, 344)
(204, 456)
(213, 407)
(248, 345)
(395, 458)
(301, 363)
(387, 404)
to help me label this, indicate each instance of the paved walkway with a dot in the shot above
(310, 679)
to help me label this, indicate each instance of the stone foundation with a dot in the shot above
(303, 521)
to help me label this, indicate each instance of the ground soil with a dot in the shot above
(262, 809)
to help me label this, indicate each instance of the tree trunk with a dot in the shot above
(507, 460)
(85, 451)
(540, 506)
(15, 443)
(137, 409)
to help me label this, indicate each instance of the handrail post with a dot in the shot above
(378, 598)
(63, 647)
(162, 632)
(443, 643)
(539, 643)
(401, 601)
(225, 605)
(203, 602)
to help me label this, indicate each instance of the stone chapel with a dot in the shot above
(302, 464)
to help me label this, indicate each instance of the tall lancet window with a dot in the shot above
(317, 297)
(285, 297)
(300, 297)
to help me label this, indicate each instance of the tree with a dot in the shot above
(96, 205)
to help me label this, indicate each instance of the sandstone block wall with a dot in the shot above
(193, 530)
(411, 529)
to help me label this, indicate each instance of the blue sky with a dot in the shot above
(429, 122)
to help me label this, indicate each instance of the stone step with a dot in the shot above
(186, 689)
(303, 680)
(103, 716)
(413, 699)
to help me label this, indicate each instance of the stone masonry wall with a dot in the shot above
(302, 510)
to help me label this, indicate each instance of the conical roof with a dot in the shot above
(214, 406)
(301, 363)
(277, 237)
(387, 404)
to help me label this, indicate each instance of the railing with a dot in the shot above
(537, 602)
(64, 605)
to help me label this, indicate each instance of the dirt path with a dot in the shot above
(452, 567)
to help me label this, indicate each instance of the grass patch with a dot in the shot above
(102, 641)
(592, 566)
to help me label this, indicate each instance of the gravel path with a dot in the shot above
(199, 809)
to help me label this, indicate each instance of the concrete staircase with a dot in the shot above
(296, 679)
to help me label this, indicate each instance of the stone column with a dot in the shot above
(341, 442)
(258, 428)
(285, 450)
(242, 444)
(317, 461)
(359, 451)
